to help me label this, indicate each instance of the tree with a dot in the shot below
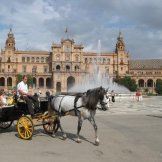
(30, 80)
(18, 78)
(127, 82)
(158, 87)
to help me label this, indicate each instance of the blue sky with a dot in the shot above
(36, 24)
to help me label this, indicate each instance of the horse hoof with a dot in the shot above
(64, 137)
(97, 142)
(53, 135)
(78, 141)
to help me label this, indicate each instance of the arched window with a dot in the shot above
(104, 60)
(42, 59)
(37, 59)
(58, 67)
(28, 59)
(41, 82)
(67, 68)
(90, 60)
(2, 81)
(32, 59)
(150, 83)
(76, 68)
(48, 82)
(86, 60)
(70, 82)
(57, 57)
(23, 59)
(47, 59)
(141, 83)
(76, 58)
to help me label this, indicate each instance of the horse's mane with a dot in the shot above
(92, 97)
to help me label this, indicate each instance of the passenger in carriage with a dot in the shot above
(3, 101)
(22, 90)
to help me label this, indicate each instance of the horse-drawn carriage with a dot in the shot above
(49, 112)
(25, 124)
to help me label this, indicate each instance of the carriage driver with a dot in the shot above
(22, 90)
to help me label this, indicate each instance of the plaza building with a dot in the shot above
(68, 64)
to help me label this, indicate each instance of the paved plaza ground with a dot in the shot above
(130, 131)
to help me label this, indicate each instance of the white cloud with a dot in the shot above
(37, 23)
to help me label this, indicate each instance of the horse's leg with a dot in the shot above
(92, 121)
(62, 131)
(80, 121)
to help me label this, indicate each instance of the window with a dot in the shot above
(57, 57)
(67, 57)
(98, 60)
(76, 58)
(67, 68)
(37, 59)
(45, 69)
(108, 61)
(58, 68)
(42, 59)
(95, 60)
(23, 59)
(67, 49)
(107, 70)
(90, 60)
(34, 69)
(76, 68)
(9, 59)
(47, 59)
(28, 59)
(121, 61)
(24, 69)
(32, 59)
(86, 60)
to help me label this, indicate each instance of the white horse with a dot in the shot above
(82, 105)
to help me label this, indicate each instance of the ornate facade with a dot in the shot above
(67, 64)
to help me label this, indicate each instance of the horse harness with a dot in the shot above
(75, 102)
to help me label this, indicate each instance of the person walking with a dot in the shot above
(112, 96)
(138, 95)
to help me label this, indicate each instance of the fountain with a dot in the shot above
(96, 79)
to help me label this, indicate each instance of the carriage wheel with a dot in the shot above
(5, 125)
(25, 127)
(56, 125)
(50, 123)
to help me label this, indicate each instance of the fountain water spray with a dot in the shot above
(97, 78)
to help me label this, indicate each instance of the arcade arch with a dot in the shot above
(70, 82)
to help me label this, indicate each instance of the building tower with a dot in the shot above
(122, 57)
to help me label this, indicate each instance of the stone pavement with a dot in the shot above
(130, 132)
(128, 105)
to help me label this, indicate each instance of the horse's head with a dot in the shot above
(93, 96)
(101, 93)
(104, 104)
